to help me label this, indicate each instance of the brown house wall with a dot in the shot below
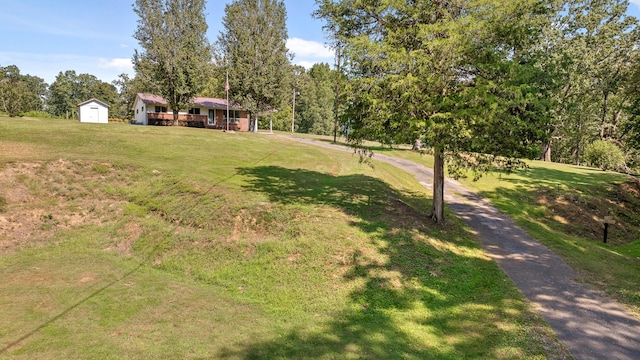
(199, 120)
(243, 125)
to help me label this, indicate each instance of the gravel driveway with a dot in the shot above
(591, 325)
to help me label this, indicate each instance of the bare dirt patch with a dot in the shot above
(579, 214)
(40, 198)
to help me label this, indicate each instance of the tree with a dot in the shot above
(252, 46)
(175, 51)
(127, 89)
(315, 105)
(20, 93)
(630, 129)
(69, 89)
(593, 44)
(453, 73)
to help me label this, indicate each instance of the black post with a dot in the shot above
(606, 229)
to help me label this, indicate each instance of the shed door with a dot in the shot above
(94, 114)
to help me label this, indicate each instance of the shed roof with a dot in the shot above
(201, 101)
(93, 100)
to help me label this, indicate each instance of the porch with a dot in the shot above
(165, 119)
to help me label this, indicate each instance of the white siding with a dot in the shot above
(139, 111)
(93, 112)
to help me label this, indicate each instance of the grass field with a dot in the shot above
(120, 241)
(560, 205)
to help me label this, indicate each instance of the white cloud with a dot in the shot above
(117, 63)
(308, 49)
(636, 2)
(305, 64)
(47, 66)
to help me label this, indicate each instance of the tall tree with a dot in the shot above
(127, 89)
(69, 89)
(593, 43)
(451, 72)
(252, 45)
(20, 93)
(315, 105)
(175, 51)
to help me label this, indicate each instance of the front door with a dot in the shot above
(212, 117)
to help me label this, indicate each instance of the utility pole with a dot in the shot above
(293, 113)
(226, 89)
(335, 105)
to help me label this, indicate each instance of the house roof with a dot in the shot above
(200, 101)
(93, 100)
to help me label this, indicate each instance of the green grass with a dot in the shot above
(160, 242)
(571, 227)
(559, 205)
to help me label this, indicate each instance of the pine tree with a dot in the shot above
(175, 52)
(252, 46)
(453, 73)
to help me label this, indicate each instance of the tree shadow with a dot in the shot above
(381, 148)
(432, 296)
(552, 178)
(570, 203)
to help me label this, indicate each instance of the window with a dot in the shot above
(211, 117)
(143, 108)
(161, 109)
(194, 111)
(234, 116)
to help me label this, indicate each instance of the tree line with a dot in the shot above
(555, 80)
(24, 94)
(552, 79)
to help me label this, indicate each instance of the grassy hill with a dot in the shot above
(561, 206)
(120, 241)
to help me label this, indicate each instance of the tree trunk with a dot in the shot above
(605, 109)
(337, 96)
(175, 117)
(416, 145)
(437, 210)
(546, 151)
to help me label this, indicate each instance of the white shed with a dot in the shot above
(93, 111)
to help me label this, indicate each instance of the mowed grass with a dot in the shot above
(121, 241)
(561, 205)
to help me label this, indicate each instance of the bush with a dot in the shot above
(604, 155)
(39, 114)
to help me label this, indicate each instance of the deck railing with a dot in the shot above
(189, 120)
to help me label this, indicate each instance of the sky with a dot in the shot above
(45, 37)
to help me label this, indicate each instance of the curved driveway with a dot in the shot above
(591, 325)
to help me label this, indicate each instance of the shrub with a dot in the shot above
(604, 155)
(36, 114)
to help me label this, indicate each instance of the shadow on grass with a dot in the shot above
(570, 202)
(374, 148)
(424, 291)
(580, 179)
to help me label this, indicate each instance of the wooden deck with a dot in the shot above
(189, 120)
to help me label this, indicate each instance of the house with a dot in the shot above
(93, 111)
(208, 113)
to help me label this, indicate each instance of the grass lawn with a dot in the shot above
(560, 205)
(121, 241)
